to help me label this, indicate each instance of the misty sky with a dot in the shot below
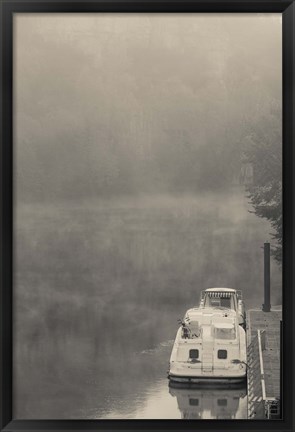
(128, 103)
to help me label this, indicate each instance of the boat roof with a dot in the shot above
(224, 325)
(220, 290)
(210, 315)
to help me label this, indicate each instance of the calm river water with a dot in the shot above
(159, 401)
(100, 285)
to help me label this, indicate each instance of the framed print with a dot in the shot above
(147, 215)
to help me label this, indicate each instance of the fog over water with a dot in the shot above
(129, 135)
(98, 285)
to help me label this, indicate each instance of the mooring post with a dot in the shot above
(266, 305)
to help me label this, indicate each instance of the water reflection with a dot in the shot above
(158, 401)
(155, 398)
(211, 403)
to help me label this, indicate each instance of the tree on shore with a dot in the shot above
(264, 151)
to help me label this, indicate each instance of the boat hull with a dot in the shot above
(207, 380)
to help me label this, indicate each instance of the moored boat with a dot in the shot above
(210, 344)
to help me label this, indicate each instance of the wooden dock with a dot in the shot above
(263, 359)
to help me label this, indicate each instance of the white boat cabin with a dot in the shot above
(227, 298)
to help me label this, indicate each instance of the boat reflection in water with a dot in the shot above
(210, 403)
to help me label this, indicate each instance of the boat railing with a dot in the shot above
(238, 293)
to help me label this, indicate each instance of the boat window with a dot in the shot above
(222, 354)
(222, 402)
(214, 302)
(194, 353)
(194, 402)
(225, 333)
(225, 302)
(220, 300)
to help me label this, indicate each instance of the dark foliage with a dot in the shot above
(264, 153)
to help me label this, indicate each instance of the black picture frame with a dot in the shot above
(8, 8)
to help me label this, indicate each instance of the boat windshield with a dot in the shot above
(225, 333)
(219, 301)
